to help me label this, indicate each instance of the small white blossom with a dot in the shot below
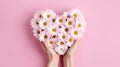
(49, 14)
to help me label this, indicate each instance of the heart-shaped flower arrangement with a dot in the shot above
(59, 32)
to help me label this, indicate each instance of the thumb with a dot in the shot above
(74, 46)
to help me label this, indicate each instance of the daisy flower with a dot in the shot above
(61, 51)
(63, 36)
(36, 33)
(81, 25)
(60, 20)
(35, 23)
(61, 43)
(70, 41)
(64, 30)
(76, 33)
(70, 23)
(39, 14)
(49, 14)
(75, 13)
(53, 29)
(44, 23)
(44, 36)
(67, 14)
(51, 42)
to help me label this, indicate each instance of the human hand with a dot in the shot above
(52, 55)
(68, 57)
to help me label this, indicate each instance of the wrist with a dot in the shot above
(53, 58)
(68, 61)
(68, 56)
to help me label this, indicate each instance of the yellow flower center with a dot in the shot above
(70, 40)
(66, 29)
(53, 36)
(63, 37)
(50, 42)
(61, 43)
(75, 15)
(48, 16)
(45, 23)
(68, 16)
(38, 32)
(79, 25)
(54, 30)
(70, 23)
(40, 16)
(37, 23)
(45, 36)
(60, 20)
(75, 32)
(53, 20)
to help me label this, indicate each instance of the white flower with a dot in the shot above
(63, 36)
(51, 42)
(61, 51)
(53, 29)
(70, 23)
(36, 33)
(35, 23)
(81, 25)
(44, 23)
(61, 43)
(66, 30)
(76, 33)
(60, 20)
(70, 41)
(67, 14)
(49, 14)
(75, 13)
(39, 14)
(44, 36)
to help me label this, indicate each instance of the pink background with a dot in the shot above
(100, 46)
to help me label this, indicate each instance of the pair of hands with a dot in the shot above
(54, 57)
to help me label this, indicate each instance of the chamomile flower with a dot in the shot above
(63, 36)
(70, 23)
(49, 14)
(67, 14)
(39, 14)
(35, 23)
(75, 13)
(70, 41)
(44, 23)
(76, 33)
(44, 36)
(36, 33)
(81, 25)
(60, 20)
(53, 29)
(64, 30)
(61, 51)
(52, 42)
(61, 43)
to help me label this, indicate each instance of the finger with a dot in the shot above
(44, 48)
(49, 49)
(76, 43)
(46, 45)
(74, 46)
